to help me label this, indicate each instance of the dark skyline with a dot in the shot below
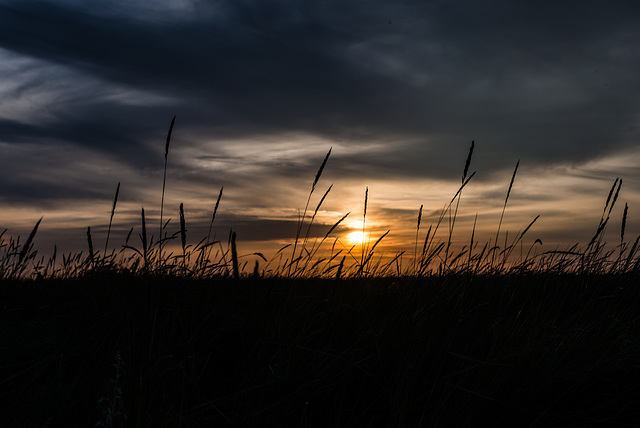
(262, 89)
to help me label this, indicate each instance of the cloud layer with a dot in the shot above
(262, 89)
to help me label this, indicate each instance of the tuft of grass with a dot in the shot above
(12, 268)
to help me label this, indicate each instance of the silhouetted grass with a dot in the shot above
(141, 336)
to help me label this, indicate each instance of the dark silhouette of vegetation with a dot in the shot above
(140, 336)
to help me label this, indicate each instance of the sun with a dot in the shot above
(356, 237)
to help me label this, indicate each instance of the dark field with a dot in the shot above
(503, 350)
(146, 335)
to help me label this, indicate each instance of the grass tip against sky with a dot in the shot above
(262, 89)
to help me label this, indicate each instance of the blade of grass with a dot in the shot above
(301, 221)
(90, 243)
(364, 220)
(415, 248)
(504, 207)
(234, 258)
(473, 232)
(452, 220)
(143, 237)
(624, 223)
(27, 245)
(113, 210)
(315, 212)
(215, 210)
(615, 183)
(183, 235)
(315, 249)
(164, 179)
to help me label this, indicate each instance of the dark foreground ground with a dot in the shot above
(452, 351)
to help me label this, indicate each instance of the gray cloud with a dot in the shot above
(270, 67)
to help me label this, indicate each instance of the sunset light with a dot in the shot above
(396, 106)
(356, 237)
(320, 213)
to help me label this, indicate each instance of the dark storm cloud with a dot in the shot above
(542, 81)
(43, 192)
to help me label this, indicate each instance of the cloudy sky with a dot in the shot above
(263, 88)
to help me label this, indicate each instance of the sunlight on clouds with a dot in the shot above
(568, 202)
(626, 163)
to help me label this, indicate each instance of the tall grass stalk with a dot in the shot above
(90, 244)
(315, 248)
(234, 257)
(452, 219)
(213, 216)
(27, 245)
(624, 223)
(429, 240)
(164, 180)
(183, 236)
(313, 217)
(143, 238)
(295, 259)
(113, 210)
(415, 248)
(606, 205)
(596, 239)
(506, 199)
(363, 245)
(473, 233)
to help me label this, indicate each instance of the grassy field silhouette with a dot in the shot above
(148, 335)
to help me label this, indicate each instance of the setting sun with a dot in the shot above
(356, 237)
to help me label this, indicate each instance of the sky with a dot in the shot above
(262, 89)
